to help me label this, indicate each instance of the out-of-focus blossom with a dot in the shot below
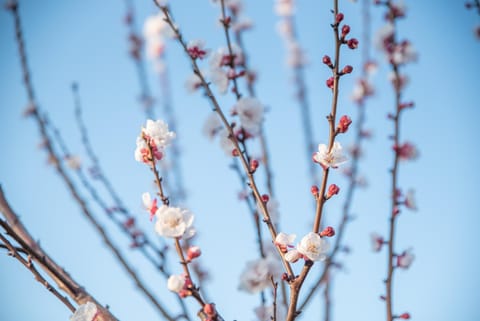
(149, 204)
(376, 242)
(256, 275)
(176, 283)
(250, 111)
(212, 125)
(405, 259)
(85, 312)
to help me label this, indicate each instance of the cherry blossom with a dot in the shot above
(376, 242)
(85, 312)
(256, 275)
(332, 158)
(176, 283)
(149, 204)
(284, 241)
(313, 247)
(250, 112)
(155, 136)
(174, 222)
(405, 259)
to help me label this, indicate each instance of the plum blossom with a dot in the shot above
(156, 31)
(155, 136)
(332, 158)
(410, 201)
(405, 259)
(176, 283)
(406, 151)
(85, 312)
(225, 142)
(361, 90)
(313, 247)
(256, 275)
(149, 204)
(265, 313)
(212, 125)
(193, 82)
(404, 53)
(284, 8)
(196, 49)
(284, 241)
(376, 242)
(250, 111)
(174, 222)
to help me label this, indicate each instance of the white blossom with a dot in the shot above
(410, 201)
(405, 259)
(284, 240)
(250, 112)
(225, 142)
(256, 275)
(212, 125)
(219, 78)
(265, 313)
(293, 256)
(376, 242)
(174, 222)
(193, 82)
(85, 312)
(175, 283)
(333, 159)
(158, 133)
(313, 247)
(284, 8)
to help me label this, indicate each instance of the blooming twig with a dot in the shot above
(12, 251)
(398, 53)
(231, 134)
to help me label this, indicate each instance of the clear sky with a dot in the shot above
(86, 41)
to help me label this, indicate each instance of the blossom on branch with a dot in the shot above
(313, 247)
(155, 137)
(250, 112)
(332, 158)
(256, 275)
(85, 312)
(174, 222)
(149, 204)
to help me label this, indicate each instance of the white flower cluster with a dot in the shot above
(156, 32)
(256, 275)
(155, 136)
(311, 247)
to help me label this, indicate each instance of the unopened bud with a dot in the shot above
(332, 190)
(345, 30)
(265, 198)
(347, 69)
(327, 61)
(193, 252)
(352, 43)
(330, 82)
(235, 153)
(209, 309)
(404, 316)
(343, 124)
(339, 17)
(328, 232)
(314, 190)
(253, 165)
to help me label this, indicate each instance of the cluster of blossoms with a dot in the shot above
(250, 113)
(257, 273)
(156, 32)
(285, 9)
(312, 247)
(153, 140)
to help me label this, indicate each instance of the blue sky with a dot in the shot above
(86, 42)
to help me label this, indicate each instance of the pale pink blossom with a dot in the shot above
(250, 111)
(212, 125)
(405, 259)
(176, 283)
(284, 241)
(265, 313)
(225, 142)
(219, 78)
(193, 82)
(376, 242)
(332, 158)
(295, 55)
(85, 312)
(149, 204)
(293, 256)
(400, 82)
(256, 275)
(313, 247)
(196, 49)
(284, 8)
(174, 222)
(403, 53)
(410, 201)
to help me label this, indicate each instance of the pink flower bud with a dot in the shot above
(352, 43)
(330, 82)
(404, 316)
(332, 190)
(209, 309)
(328, 232)
(327, 61)
(347, 69)
(253, 165)
(339, 17)
(193, 252)
(235, 153)
(130, 222)
(343, 124)
(265, 198)
(314, 190)
(345, 30)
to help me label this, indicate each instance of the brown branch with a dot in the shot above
(14, 227)
(31, 267)
(63, 174)
(232, 137)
